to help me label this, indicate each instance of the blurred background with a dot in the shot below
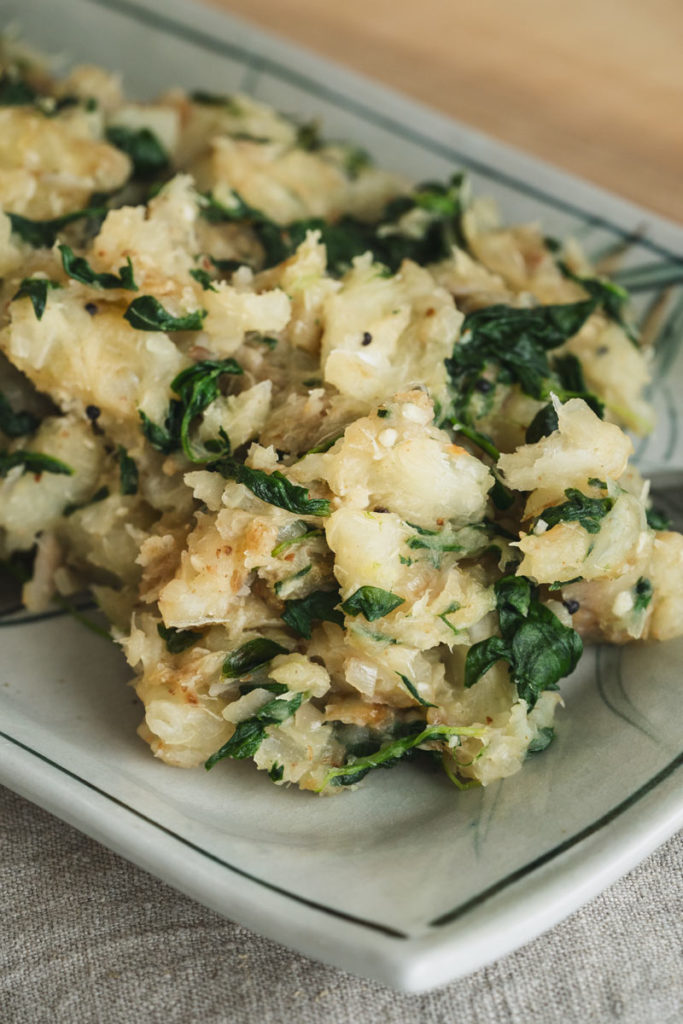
(594, 86)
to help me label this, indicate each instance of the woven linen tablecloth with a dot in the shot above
(87, 937)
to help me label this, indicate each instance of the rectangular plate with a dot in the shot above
(406, 881)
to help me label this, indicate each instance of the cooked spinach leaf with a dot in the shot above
(307, 535)
(544, 423)
(42, 233)
(146, 153)
(349, 237)
(32, 462)
(454, 606)
(177, 640)
(389, 754)
(35, 289)
(569, 372)
(163, 438)
(578, 509)
(273, 488)
(412, 690)
(212, 99)
(204, 278)
(512, 345)
(324, 446)
(302, 613)
(516, 341)
(281, 584)
(249, 735)
(100, 494)
(642, 593)
(79, 269)
(657, 520)
(128, 472)
(147, 314)
(249, 656)
(372, 602)
(16, 424)
(275, 772)
(612, 297)
(268, 686)
(15, 91)
(371, 634)
(444, 540)
(538, 647)
(543, 738)
(308, 136)
(196, 387)
(355, 161)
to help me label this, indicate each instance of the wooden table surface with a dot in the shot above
(594, 86)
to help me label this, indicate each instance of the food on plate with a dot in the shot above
(342, 459)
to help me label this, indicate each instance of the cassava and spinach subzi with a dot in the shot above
(342, 459)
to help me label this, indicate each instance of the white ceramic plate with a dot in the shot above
(406, 881)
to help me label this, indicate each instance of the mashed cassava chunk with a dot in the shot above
(343, 460)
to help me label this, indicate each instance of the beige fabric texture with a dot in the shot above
(86, 937)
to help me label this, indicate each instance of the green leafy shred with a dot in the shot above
(308, 136)
(612, 297)
(196, 387)
(538, 647)
(16, 91)
(568, 370)
(251, 655)
(250, 733)
(281, 584)
(204, 278)
(148, 156)
(349, 237)
(642, 593)
(276, 772)
(657, 520)
(372, 602)
(454, 606)
(128, 472)
(543, 738)
(587, 512)
(32, 462)
(42, 233)
(302, 613)
(100, 494)
(35, 289)
(299, 539)
(16, 424)
(147, 314)
(389, 754)
(513, 345)
(412, 690)
(324, 446)
(79, 269)
(212, 99)
(177, 640)
(544, 423)
(356, 160)
(273, 488)
(516, 340)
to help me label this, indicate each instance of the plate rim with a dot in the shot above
(412, 964)
(424, 962)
